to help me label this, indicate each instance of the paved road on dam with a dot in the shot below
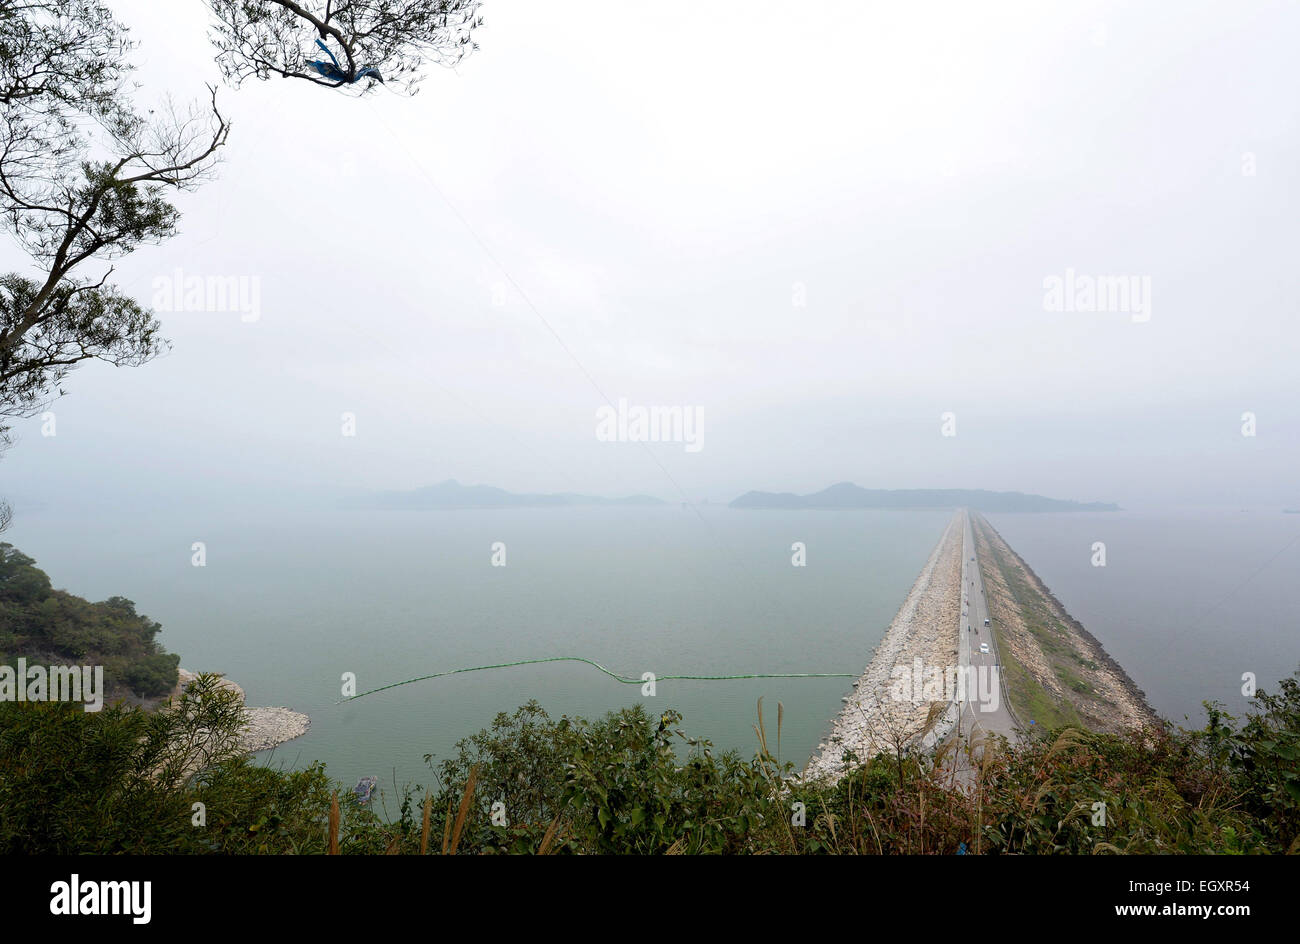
(982, 711)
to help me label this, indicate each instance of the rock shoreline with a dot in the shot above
(264, 728)
(926, 627)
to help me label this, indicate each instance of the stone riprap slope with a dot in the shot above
(926, 627)
(1054, 657)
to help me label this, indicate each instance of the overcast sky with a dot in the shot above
(820, 225)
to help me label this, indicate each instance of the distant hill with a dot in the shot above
(848, 495)
(451, 494)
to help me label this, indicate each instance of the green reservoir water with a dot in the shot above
(289, 602)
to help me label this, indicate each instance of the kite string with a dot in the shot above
(624, 679)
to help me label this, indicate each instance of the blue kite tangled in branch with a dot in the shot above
(336, 73)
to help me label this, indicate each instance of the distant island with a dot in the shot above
(848, 495)
(451, 494)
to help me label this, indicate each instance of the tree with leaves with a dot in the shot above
(84, 179)
(387, 41)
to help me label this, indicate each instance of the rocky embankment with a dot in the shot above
(1051, 650)
(927, 627)
(265, 727)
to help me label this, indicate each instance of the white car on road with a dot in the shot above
(984, 647)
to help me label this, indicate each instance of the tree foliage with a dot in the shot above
(265, 38)
(59, 58)
(84, 179)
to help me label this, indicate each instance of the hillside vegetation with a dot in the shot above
(54, 627)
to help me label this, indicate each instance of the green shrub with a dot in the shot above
(127, 780)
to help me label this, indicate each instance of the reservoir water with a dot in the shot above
(1188, 600)
(289, 601)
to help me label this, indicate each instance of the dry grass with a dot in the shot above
(334, 824)
(463, 813)
(424, 827)
(549, 838)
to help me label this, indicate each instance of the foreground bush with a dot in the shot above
(127, 780)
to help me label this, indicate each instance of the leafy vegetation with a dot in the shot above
(44, 624)
(127, 780)
(85, 177)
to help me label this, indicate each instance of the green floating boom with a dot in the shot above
(625, 679)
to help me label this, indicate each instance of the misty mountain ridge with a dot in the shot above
(848, 495)
(452, 494)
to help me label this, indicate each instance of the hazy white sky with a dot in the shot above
(662, 183)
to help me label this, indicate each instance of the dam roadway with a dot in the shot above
(946, 599)
(976, 719)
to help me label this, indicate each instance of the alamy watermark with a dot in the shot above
(1120, 293)
(918, 682)
(683, 424)
(82, 683)
(209, 293)
(84, 897)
